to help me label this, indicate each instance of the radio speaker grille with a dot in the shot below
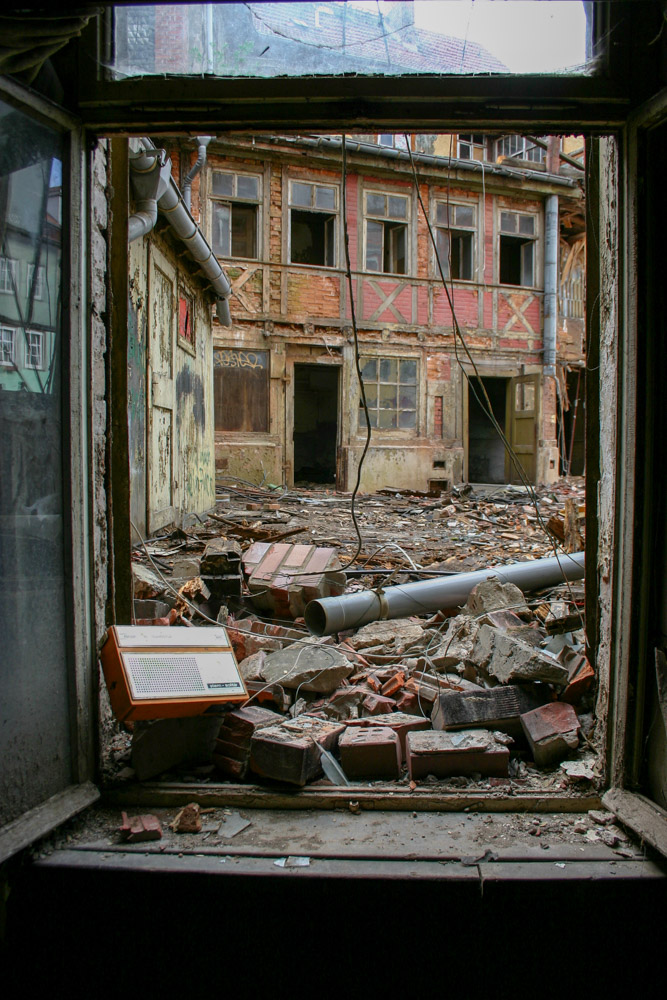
(165, 674)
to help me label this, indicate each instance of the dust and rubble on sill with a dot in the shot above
(487, 705)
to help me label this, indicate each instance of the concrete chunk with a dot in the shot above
(494, 595)
(309, 665)
(510, 660)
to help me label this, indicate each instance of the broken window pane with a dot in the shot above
(438, 37)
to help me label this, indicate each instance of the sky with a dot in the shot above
(529, 36)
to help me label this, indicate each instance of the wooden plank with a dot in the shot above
(37, 822)
(169, 794)
(640, 815)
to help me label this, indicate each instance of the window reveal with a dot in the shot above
(234, 214)
(517, 249)
(391, 393)
(455, 240)
(386, 233)
(241, 390)
(312, 228)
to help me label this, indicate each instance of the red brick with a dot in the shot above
(376, 704)
(467, 752)
(370, 752)
(394, 684)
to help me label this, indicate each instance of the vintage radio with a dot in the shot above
(153, 672)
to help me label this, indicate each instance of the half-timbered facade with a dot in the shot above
(288, 408)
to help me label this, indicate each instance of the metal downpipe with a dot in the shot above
(550, 282)
(335, 614)
(203, 141)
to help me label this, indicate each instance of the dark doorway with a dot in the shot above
(486, 452)
(315, 423)
(571, 436)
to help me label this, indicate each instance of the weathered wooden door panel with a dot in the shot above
(522, 410)
(161, 487)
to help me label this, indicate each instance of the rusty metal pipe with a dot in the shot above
(335, 614)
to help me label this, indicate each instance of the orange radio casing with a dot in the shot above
(153, 672)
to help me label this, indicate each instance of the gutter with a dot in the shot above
(155, 190)
(428, 159)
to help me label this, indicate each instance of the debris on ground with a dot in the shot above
(500, 688)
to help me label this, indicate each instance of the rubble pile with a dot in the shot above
(496, 691)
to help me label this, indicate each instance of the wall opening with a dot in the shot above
(486, 451)
(315, 423)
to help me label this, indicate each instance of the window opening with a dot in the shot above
(455, 240)
(313, 216)
(471, 146)
(234, 214)
(386, 232)
(520, 148)
(517, 249)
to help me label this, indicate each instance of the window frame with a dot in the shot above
(332, 221)
(11, 361)
(400, 359)
(459, 231)
(28, 350)
(231, 201)
(520, 241)
(9, 265)
(523, 153)
(391, 224)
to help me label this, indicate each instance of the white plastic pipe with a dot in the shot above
(335, 614)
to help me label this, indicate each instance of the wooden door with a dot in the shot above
(522, 411)
(161, 394)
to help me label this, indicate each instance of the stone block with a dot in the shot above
(552, 732)
(373, 751)
(310, 665)
(443, 754)
(289, 752)
(511, 660)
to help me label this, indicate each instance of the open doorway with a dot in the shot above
(315, 423)
(571, 429)
(486, 451)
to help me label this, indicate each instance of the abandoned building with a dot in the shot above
(506, 219)
(82, 310)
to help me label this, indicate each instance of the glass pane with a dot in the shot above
(371, 395)
(442, 213)
(387, 420)
(464, 215)
(527, 225)
(407, 399)
(439, 37)
(223, 184)
(369, 370)
(374, 246)
(407, 420)
(398, 207)
(388, 397)
(34, 694)
(302, 194)
(376, 204)
(325, 197)
(508, 222)
(389, 370)
(442, 246)
(247, 187)
(220, 218)
(408, 372)
(244, 230)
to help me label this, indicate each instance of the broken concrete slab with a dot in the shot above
(370, 751)
(160, 744)
(251, 668)
(466, 752)
(394, 636)
(310, 665)
(456, 644)
(552, 732)
(290, 753)
(498, 708)
(509, 659)
(146, 584)
(494, 595)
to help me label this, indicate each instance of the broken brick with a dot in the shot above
(289, 752)
(376, 704)
(552, 732)
(469, 751)
(283, 577)
(400, 722)
(581, 677)
(136, 829)
(394, 684)
(188, 820)
(373, 751)
(231, 754)
(497, 708)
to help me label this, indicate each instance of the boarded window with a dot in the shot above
(241, 385)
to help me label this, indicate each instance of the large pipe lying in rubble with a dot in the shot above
(335, 614)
